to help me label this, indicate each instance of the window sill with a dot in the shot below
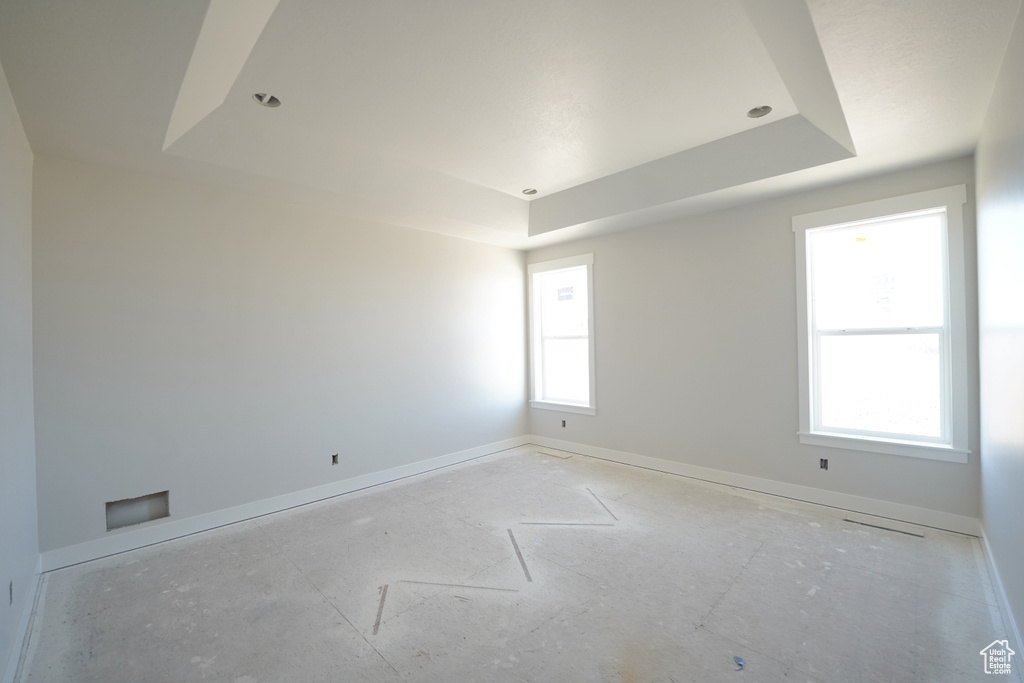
(564, 407)
(913, 449)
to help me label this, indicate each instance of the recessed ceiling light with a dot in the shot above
(758, 112)
(529, 190)
(266, 100)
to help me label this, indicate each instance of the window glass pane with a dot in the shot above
(564, 307)
(566, 370)
(881, 383)
(882, 274)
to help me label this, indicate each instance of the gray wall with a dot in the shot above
(223, 347)
(695, 330)
(1000, 167)
(19, 548)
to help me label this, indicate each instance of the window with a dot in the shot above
(562, 334)
(882, 326)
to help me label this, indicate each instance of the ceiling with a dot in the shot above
(436, 115)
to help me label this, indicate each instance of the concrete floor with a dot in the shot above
(633, 576)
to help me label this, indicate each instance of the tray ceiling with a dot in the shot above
(438, 115)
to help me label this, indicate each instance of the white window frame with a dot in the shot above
(953, 446)
(536, 359)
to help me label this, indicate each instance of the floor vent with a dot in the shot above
(562, 455)
(130, 511)
(908, 532)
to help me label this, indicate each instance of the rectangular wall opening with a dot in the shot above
(130, 511)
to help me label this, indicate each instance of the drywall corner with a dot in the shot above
(1000, 200)
(18, 514)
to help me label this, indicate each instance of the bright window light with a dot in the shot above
(884, 384)
(878, 314)
(882, 338)
(562, 334)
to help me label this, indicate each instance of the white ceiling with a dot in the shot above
(436, 115)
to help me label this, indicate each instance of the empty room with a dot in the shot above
(670, 340)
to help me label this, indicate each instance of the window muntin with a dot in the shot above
(882, 326)
(562, 334)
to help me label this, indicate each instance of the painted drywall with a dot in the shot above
(1000, 170)
(695, 335)
(223, 347)
(19, 548)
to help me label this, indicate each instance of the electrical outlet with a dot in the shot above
(563, 423)
(334, 459)
(823, 463)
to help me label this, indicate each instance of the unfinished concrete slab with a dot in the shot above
(523, 566)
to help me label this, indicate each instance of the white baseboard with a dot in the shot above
(171, 529)
(119, 542)
(845, 501)
(1001, 597)
(24, 623)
